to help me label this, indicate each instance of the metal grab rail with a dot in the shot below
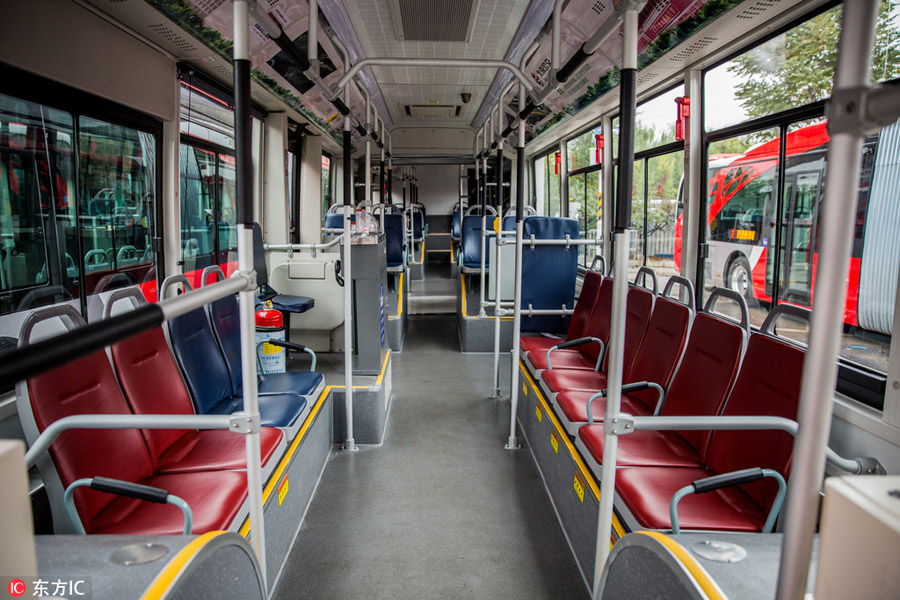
(532, 241)
(291, 248)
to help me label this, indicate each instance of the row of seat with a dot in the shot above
(676, 364)
(140, 376)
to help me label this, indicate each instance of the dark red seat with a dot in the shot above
(655, 361)
(768, 385)
(570, 370)
(699, 387)
(577, 322)
(152, 385)
(88, 386)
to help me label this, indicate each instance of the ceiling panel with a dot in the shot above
(495, 24)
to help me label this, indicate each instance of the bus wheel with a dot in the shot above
(738, 277)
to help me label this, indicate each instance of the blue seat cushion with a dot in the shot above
(274, 411)
(292, 304)
(336, 221)
(393, 233)
(303, 383)
(455, 225)
(471, 241)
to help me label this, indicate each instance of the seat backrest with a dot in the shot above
(661, 348)
(336, 221)
(259, 256)
(455, 225)
(598, 322)
(509, 223)
(152, 384)
(393, 242)
(225, 317)
(707, 370)
(200, 359)
(471, 240)
(418, 223)
(88, 386)
(585, 303)
(768, 384)
(548, 272)
(637, 316)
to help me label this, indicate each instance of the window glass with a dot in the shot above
(584, 191)
(198, 202)
(38, 245)
(663, 177)
(326, 184)
(227, 217)
(206, 117)
(791, 69)
(583, 150)
(118, 191)
(655, 120)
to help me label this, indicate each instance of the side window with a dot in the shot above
(118, 191)
(745, 198)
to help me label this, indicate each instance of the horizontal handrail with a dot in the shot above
(298, 247)
(567, 241)
(231, 422)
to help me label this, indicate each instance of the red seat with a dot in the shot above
(88, 386)
(580, 315)
(564, 374)
(768, 384)
(152, 385)
(574, 405)
(699, 387)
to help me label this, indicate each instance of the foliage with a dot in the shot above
(797, 68)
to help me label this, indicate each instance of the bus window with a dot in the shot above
(118, 191)
(37, 240)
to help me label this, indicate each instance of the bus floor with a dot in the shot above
(441, 509)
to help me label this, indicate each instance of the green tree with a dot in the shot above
(798, 67)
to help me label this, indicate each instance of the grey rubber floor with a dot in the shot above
(441, 510)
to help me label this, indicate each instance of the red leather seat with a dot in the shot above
(574, 406)
(563, 374)
(88, 386)
(152, 385)
(768, 384)
(699, 388)
(580, 315)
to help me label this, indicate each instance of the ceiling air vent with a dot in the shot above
(432, 111)
(757, 9)
(172, 37)
(434, 20)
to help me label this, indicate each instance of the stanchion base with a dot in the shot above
(496, 395)
(350, 446)
(513, 444)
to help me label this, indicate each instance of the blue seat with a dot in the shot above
(336, 221)
(394, 242)
(471, 242)
(509, 223)
(207, 377)
(455, 226)
(225, 319)
(418, 226)
(549, 272)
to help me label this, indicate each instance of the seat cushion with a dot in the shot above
(574, 405)
(647, 491)
(567, 358)
(279, 410)
(215, 498)
(538, 343)
(215, 450)
(293, 304)
(302, 383)
(643, 448)
(564, 380)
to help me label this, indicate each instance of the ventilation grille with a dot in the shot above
(598, 7)
(117, 1)
(223, 72)
(757, 9)
(686, 53)
(647, 77)
(173, 38)
(434, 20)
(204, 8)
(432, 111)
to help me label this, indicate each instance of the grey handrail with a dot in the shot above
(722, 292)
(599, 259)
(684, 282)
(642, 274)
(783, 310)
(123, 294)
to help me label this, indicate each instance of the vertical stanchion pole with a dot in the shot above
(512, 443)
(826, 324)
(497, 267)
(628, 88)
(349, 442)
(244, 185)
(487, 131)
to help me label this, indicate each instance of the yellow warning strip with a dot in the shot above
(387, 355)
(573, 451)
(399, 302)
(160, 585)
(286, 459)
(462, 280)
(706, 583)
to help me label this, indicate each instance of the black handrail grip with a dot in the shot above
(716, 482)
(289, 345)
(132, 490)
(575, 342)
(48, 354)
(529, 108)
(572, 65)
(342, 108)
